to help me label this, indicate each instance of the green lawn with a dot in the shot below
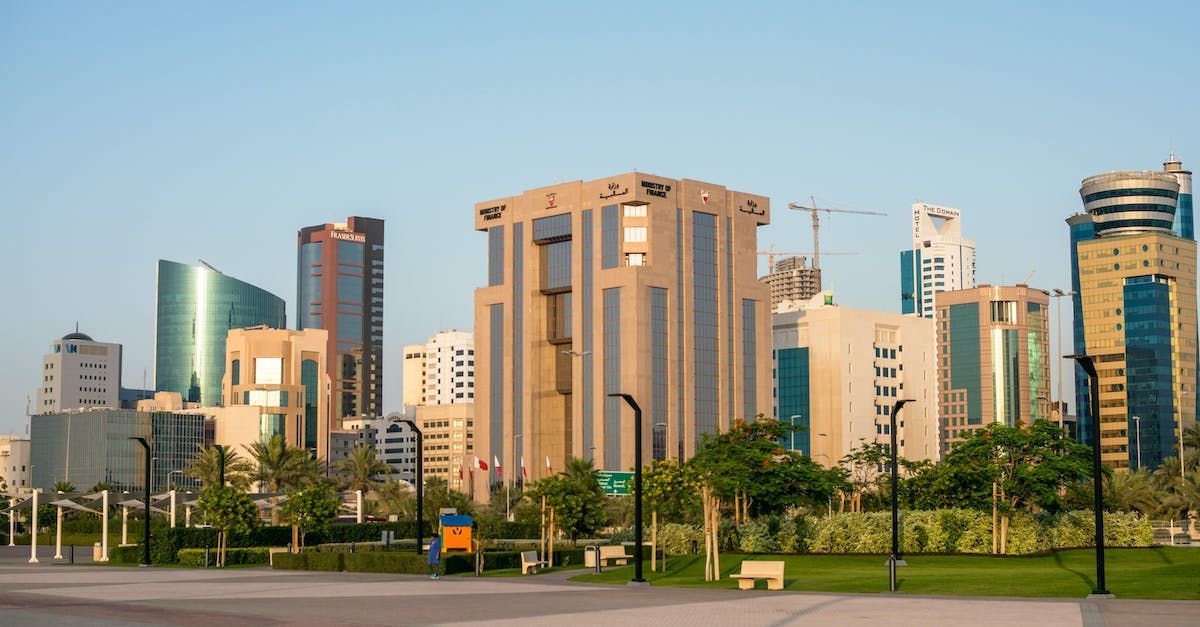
(1154, 573)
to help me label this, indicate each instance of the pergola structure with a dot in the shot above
(165, 503)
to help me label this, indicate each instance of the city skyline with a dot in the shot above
(209, 164)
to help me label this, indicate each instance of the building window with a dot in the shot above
(635, 259)
(635, 211)
(635, 234)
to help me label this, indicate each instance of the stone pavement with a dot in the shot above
(93, 595)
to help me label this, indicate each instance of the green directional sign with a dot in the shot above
(615, 482)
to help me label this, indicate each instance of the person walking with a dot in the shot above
(435, 554)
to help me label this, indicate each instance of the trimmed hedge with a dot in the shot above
(408, 561)
(194, 558)
(125, 554)
(968, 531)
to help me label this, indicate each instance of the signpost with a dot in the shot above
(614, 482)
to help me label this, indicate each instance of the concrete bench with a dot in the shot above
(530, 562)
(271, 551)
(614, 553)
(753, 570)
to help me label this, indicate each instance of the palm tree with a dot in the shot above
(206, 467)
(396, 498)
(282, 467)
(360, 469)
(102, 486)
(580, 469)
(1131, 491)
(63, 486)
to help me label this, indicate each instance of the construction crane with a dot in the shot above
(816, 223)
(772, 254)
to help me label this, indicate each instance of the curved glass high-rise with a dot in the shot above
(197, 306)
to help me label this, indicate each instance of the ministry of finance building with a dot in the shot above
(633, 284)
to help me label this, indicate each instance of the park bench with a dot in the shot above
(753, 570)
(530, 562)
(271, 551)
(615, 553)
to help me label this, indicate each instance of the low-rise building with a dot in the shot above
(15, 464)
(839, 372)
(93, 446)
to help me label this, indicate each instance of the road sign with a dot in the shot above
(615, 482)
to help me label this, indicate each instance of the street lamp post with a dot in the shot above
(146, 528)
(1058, 294)
(895, 559)
(1137, 421)
(637, 487)
(1089, 367)
(420, 478)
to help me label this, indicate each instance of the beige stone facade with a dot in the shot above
(267, 368)
(993, 358)
(840, 371)
(449, 445)
(633, 283)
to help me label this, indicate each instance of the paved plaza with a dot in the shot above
(94, 595)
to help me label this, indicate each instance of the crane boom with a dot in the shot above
(816, 224)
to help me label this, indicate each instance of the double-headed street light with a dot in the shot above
(895, 559)
(1089, 366)
(637, 487)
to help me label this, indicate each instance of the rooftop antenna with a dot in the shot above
(210, 266)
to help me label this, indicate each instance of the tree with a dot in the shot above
(672, 490)
(102, 486)
(438, 496)
(396, 498)
(360, 471)
(310, 509)
(1130, 491)
(229, 511)
(865, 475)
(205, 466)
(938, 486)
(1028, 467)
(576, 498)
(282, 467)
(63, 486)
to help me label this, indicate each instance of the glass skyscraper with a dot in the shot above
(197, 306)
(1134, 274)
(339, 288)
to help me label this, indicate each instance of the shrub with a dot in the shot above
(756, 537)
(194, 558)
(124, 555)
(677, 539)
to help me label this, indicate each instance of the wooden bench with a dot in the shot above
(753, 570)
(530, 562)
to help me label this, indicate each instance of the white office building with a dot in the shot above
(444, 367)
(941, 259)
(394, 442)
(79, 373)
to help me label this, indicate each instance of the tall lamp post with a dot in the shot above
(637, 487)
(1058, 295)
(146, 528)
(1089, 367)
(1137, 421)
(420, 478)
(895, 559)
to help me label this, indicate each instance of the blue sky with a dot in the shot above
(137, 131)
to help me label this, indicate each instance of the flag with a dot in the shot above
(480, 464)
(496, 462)
(524, 473)
(549, 468)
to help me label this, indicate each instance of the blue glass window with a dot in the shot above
(496, 255)
(610, 237)
(612, 378)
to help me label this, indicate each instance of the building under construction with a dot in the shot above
(792, 279)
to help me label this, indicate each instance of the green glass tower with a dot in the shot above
(197, 306)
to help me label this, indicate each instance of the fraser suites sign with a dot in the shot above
(495, 212)
(349, 236)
